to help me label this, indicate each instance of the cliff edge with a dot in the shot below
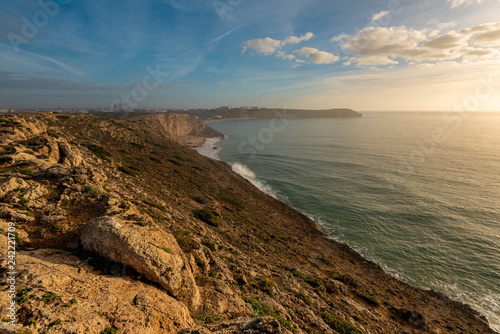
(120, 229)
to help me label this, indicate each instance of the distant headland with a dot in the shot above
(220, 113)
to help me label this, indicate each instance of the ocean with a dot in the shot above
(417, 193)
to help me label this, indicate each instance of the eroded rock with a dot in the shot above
(263, 325)
(148, 250)
(99, 301)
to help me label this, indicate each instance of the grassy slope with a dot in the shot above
(281, 263)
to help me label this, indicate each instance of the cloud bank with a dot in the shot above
(392, 45)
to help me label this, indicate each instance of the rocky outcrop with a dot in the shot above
(264, 325)
(148, 250)
(185, 129)
(65, 295)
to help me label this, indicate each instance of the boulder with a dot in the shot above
(147, 249)
(98, 301)
(69, 156)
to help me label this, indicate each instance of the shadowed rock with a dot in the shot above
(149, 251)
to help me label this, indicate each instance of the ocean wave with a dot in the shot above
(209, 149)
(249, 175)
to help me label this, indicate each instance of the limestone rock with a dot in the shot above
(100, 301)
(264, 325)
(10, 184)
(148, 250)
(69, 156)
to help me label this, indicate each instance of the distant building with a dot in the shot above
(249, 108)
(225, 107)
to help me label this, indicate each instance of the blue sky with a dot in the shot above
(366, 55)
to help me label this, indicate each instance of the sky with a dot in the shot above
(390, 55)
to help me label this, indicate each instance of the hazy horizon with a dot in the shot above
(386, 56)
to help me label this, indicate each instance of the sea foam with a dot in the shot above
(248, 174)
(209, 149)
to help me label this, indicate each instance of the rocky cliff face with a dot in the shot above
(185, 129)
(120, 230)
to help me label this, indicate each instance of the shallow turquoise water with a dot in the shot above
(418, 193)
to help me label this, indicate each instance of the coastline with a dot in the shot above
(389, 271)
(238, 250)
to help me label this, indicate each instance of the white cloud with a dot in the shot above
(340, 37)
(389, 46)
(282, 55)
(456, 3)
(269, 46)
(380, 15)
(266, 46)
(296, 40)
(318, 57)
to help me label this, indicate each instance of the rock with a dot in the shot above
(413, 318)
(10, 184)
(148, 250)
(58, 171)
(15, 216)
(264, 325)
(69, 156)
(17, 329)
(334, 286)
(361, 309)
(53, 219)
(101, 301)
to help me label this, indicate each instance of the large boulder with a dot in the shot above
(83, 301)
(147, 249)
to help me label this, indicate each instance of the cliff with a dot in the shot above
(121, 230)
(184, 129)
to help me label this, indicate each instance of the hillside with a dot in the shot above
(120, 229)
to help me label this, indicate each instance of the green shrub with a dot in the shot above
(154, 205)
(208, 216)
(302, 296)
(369, 298)
(53, 134)
(201, 199)
(232, 202)
(209, 245)
(30, 322)
(21, 296)
(185, 240)
(267, 286)
(93, 191)
(109, 330)
(312, 280)
(339, 325)
(99, 152)
(141, 224)
(57, 322)
(166, 250)
(49, 296)
(129, 170)
(261, 309)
